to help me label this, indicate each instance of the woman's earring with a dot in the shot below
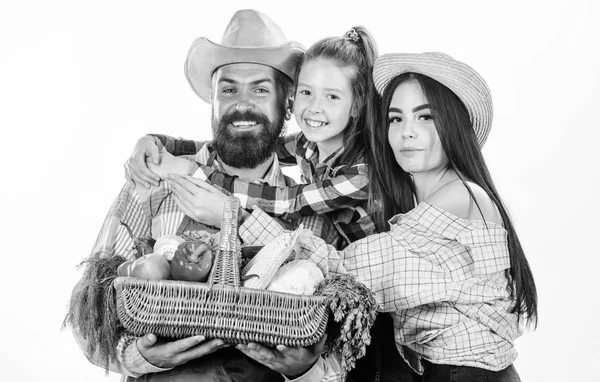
(288, 114)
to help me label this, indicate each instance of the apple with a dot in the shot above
(152, 266)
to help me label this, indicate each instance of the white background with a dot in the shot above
(80, 81)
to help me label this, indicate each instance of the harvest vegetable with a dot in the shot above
(152, 267)
(192, 261)
(204, 236)
(141, 245)
(93, 307)
(268, 260)
(167, 245)
(125, 268)
(354, 311)
(297, 277)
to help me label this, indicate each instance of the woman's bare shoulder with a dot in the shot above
(454, 197)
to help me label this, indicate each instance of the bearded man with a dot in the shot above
(248, 81)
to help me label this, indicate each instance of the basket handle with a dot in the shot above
(226, 266)
(228, 238)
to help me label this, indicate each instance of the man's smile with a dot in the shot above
(244, 124)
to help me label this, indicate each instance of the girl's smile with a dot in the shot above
(323, 104)
(315, 124)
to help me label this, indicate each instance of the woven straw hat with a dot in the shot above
(250, 37)
(459, 77)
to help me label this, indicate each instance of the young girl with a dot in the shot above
(333, 107)
(451, 270)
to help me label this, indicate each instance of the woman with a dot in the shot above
(451, 269)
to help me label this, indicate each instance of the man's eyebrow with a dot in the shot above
(223, 79)
(255, 82)
(262, 80)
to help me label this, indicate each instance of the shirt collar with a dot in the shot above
(312, 154)
(273, 177)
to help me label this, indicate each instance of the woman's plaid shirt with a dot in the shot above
(442, 277)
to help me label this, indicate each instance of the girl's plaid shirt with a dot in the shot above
(338, 190)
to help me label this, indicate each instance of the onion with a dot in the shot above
(166, 245)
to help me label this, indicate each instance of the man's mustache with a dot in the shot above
(237, 116)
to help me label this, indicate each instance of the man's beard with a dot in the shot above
(246, 149)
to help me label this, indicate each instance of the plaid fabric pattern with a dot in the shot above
(339, 190)
(322, 371)
(441, 277)
(179, 146)
(153, 212)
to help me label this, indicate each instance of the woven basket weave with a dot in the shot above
(221, 308)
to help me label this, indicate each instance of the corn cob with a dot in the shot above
(261, 269)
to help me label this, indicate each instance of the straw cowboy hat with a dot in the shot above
(250, 37)
(459, 77)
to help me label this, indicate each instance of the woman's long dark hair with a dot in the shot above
(357, 53)
(392, 189)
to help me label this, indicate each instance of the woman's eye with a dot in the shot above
(228, 90)
(426, 117)
(261, 90)
(394, 119)
(304, 92)
(333, 96)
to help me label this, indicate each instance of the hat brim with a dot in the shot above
(463, 80)
(205, 56)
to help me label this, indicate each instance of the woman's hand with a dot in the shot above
(136, 169)
(289, 361)
(198, 199)
(170, 354)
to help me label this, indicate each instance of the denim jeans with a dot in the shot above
(382, 362)
(451, 373)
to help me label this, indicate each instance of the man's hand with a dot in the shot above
(136, 169)
(198, 199)
(289, 361)
(171, 354)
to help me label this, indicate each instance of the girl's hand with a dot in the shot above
(169, 164)
(136, 169)
(198, 199)
(289, 361)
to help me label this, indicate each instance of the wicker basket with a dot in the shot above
(221, 308)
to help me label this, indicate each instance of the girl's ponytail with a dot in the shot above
(357, 51)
